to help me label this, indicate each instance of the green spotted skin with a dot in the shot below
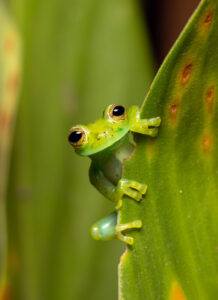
(175, 254)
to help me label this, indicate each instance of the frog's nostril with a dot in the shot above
(101, 135)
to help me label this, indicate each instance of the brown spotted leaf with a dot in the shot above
(175, 255)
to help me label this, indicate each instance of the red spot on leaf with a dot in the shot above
(186, 73)
(208, 18)
(207, 143)
(177, 292)
(209, 99)
(174, 110)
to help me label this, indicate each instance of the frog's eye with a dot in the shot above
(77, 137)
(116, 112)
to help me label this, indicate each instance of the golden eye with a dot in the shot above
(117, 112)
(77, 137)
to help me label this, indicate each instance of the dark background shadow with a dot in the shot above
(166, 19)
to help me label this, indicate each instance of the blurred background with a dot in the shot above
(77, 57)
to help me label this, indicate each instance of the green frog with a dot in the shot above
(108, 142)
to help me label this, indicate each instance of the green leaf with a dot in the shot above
(79, 56)
(175, 255)
(10, 60)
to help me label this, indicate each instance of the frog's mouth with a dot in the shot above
(108, 139)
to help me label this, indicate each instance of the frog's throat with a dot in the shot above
(109, 145)
(113, 147)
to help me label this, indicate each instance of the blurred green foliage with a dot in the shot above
(10, 63)
(78, 56)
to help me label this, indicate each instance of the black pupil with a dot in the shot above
(118, 110)
(75, 136)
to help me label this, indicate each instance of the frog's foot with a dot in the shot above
(146, 126)
(150, 126)
(130, 188)
(154, 122)
(153, 125)
(123, 227)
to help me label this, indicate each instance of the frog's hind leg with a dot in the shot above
(107, 229)
(123, 227)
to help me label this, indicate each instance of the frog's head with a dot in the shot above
(93, 138)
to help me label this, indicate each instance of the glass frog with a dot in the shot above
(109, 142)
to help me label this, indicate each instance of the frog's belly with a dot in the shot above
(112, 170)
(113, 166)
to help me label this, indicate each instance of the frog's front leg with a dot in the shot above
(108, 229)
(125, 187)
(143, 126)
(130, 188)
(98, 179)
